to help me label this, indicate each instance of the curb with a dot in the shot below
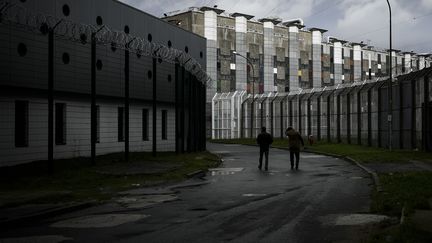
(373, 174)
(38, 216)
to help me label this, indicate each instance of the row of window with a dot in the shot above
(22, 124)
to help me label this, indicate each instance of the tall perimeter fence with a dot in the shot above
(190, 77)
(353, 113)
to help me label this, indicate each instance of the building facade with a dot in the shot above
(83, 78)
(285, 55)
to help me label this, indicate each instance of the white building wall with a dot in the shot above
(407, 62)
(78, 130)
(241, 62)
(269, 52)
(210, 32)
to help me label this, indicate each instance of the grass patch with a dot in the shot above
(411, 190)
(78, 180)
(405, 233)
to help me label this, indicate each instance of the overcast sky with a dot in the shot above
(352, 20)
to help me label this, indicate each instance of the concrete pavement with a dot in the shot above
(327, 200)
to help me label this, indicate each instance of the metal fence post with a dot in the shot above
(309, 116)
(328, 117)
(401, 115)
(50, 100)
(299, 114)
(126, 70)
(154, 145)
(413, 115)
(338, 120)
(319, 116)
(369, 116)
(359, 116)
(348, 133)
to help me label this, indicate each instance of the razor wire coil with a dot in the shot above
(103, 35)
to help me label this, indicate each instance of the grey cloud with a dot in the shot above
(354, 20)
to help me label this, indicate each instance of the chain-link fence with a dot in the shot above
(355, 113)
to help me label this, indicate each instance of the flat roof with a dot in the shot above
(248, 17)
(318, 29)
(217, 10)
(273, 20)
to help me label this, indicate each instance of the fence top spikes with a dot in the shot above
(80, 32)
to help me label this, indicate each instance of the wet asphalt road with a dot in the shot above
(243, 204)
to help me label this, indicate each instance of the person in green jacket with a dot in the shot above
(295, 143)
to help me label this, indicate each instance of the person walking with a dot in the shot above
(264, 140)
(295, 140)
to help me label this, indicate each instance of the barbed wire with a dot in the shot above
(103, 35)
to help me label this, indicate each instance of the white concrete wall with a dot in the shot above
(78, 130)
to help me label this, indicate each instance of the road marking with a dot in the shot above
(99, 221)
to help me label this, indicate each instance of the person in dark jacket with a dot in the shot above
(295, 141)
(264, 140)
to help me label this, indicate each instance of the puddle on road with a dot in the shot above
(145, 200)
(224, 171)
(180, 221)
(221, 152)
(37, 239)
(99, 221)
(312, 156)
(353, 219)
(254, 195)
(323, 174)
(198, 209)
(356, 177)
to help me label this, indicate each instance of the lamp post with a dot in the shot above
(253, 90)
(390, 90)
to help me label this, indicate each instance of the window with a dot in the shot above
(21, 123)
(145, 124)
(99, 65)
(120, 123)
(60, 123)
(164, 124)
(99, 20)
(22, 49)
(66, 10)
(97, 124)
(65, 58)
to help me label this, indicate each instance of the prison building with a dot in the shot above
(140, 71)
(284, 54)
